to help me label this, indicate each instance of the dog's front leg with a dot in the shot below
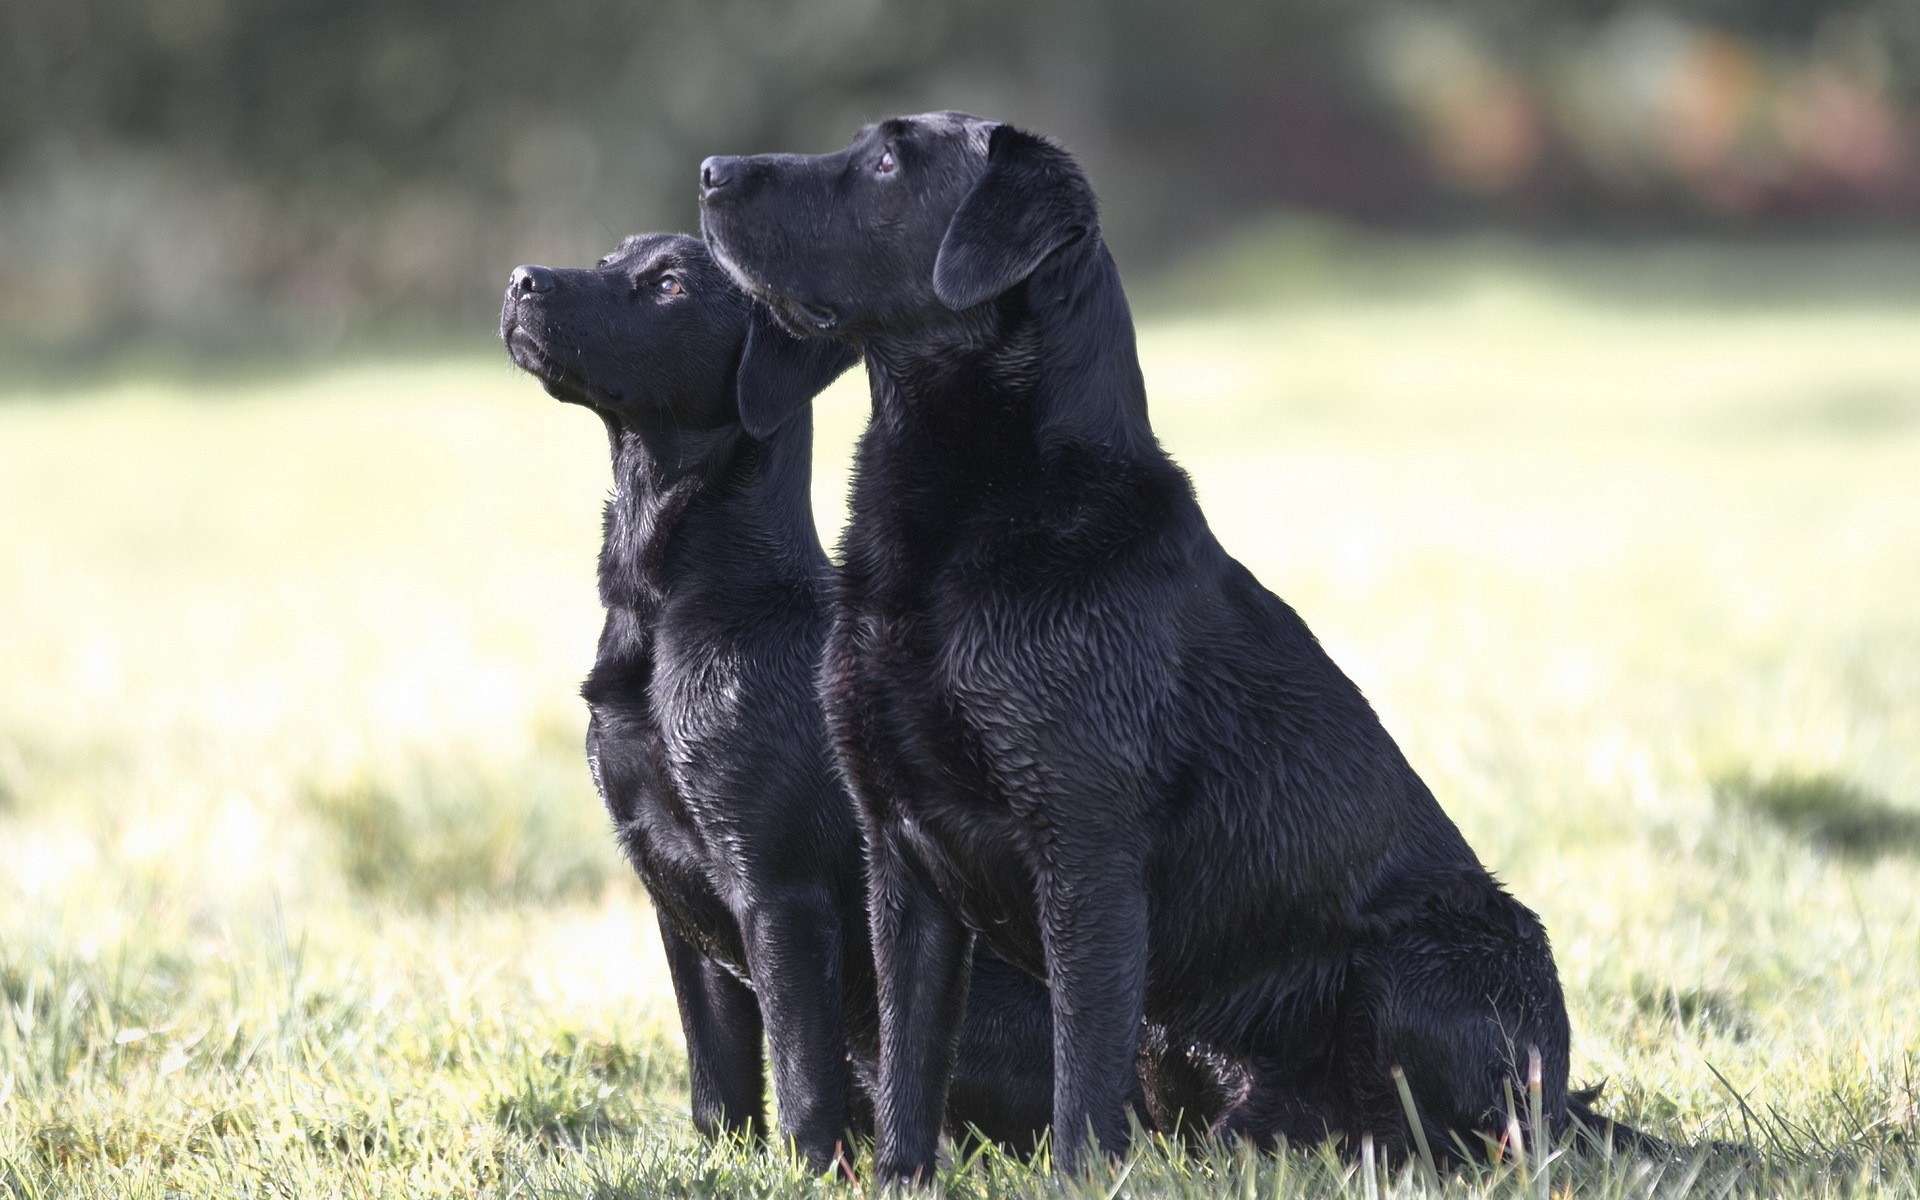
(1093, 928)
(922, 954)
(721, 1020)
(793, 946)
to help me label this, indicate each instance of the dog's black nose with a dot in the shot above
(527, 280)
(717, 172)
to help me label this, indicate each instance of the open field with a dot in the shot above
(304, 890)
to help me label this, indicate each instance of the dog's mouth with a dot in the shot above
(798, 317)
(804, 318)
(526, 352)
(530, 356)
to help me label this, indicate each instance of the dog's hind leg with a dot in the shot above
(1279, 1105)
(1614, 1134)
(1003, 1078)
(1187, 1089)
(1461, 996)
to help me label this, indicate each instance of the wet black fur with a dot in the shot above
(706, 741)
(1076, 726)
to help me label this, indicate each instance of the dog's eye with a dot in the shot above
(670, 285)
(886, 165)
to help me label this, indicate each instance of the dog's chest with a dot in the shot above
(697, 698)
(929, 712)
(645, 756)
(628, 759)
(655, 830)
(962, 652)
(996, 678)
(916, 756)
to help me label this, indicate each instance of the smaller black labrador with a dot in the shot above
(1077, 728)
(706, 741)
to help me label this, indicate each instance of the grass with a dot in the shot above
(304, 890)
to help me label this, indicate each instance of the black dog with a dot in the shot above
(1067, 713)
(706, 741)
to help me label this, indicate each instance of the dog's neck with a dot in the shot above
(1056, 354)
(706, 510)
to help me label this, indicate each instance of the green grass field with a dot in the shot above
(304, 890)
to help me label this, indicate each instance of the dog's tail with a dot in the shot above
(1618, 1135)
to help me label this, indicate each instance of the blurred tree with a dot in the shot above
(224, 169)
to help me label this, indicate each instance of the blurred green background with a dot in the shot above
(1557, 361)
(301, 171)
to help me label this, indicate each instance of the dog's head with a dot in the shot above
(918, 221)
(656, 336)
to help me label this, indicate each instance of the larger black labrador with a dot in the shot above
(1075, 725)
(706, 740)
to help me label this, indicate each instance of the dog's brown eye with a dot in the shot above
(886, 164)
(670, 285)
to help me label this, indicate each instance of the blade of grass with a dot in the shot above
(1413, 1123)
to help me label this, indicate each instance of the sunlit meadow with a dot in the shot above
(304, 889)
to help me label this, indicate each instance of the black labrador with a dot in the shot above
(1075, 725)
(706, 740)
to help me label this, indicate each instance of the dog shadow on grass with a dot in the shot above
(1825, 809)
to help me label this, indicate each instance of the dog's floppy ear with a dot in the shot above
(1033, 200)
(780, 373)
